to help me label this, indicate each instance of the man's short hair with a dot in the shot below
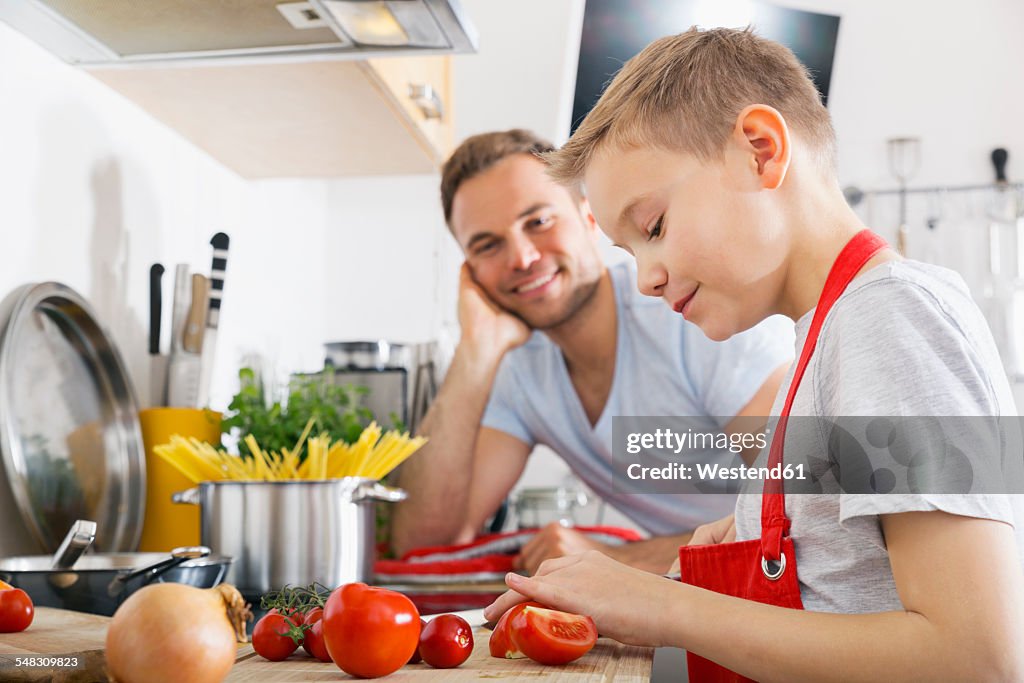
(478, 153)
(684, 92)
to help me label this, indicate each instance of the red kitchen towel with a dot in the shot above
(488, 558)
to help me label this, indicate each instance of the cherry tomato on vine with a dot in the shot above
(313, 640)
(272, 637)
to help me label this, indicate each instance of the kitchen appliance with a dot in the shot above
(124, 31)
(403, 379)
(291, 532)
(99, 583)
(70, 442)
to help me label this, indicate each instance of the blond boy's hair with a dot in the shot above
(684, 92)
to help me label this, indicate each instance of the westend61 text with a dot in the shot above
(709, 472)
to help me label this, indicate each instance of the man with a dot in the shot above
(554, 344)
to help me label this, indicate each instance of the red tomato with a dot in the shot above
(370, 632)
(313, 640)
(271, 637)
(551, 637)
(500, 645)
(312, 616)
(16, 610)
(446, 641)
(295, 616)
(416, 657)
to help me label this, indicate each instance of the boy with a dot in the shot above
(710, 158)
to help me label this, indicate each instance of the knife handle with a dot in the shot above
(999, 158)
(195, 324)
(156, 272)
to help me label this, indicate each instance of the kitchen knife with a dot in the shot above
(195, 323)
(179, 306)
(157, 360)
(218, 270)
(183, 371)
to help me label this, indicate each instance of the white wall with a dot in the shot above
(94, 191)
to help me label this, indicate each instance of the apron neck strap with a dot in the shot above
(857, 252)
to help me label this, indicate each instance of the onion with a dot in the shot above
(169, 632)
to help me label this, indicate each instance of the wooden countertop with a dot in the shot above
(61, 633)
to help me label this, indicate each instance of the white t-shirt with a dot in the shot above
(663, 366)
(904, 339)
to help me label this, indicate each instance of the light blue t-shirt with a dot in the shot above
(663, 366)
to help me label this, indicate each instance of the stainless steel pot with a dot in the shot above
(99, 583)
(291, 532)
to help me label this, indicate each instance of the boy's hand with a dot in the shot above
(627, 604)
(483, 322)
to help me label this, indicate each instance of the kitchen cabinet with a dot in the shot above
(59, 632)
(308, 119)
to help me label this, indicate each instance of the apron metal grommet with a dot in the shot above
(769, 574)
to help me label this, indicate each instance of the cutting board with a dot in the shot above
(609, 660)
(59, 632)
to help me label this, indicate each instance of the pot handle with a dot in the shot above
(186, 497)
(78, 540)
(377, 491)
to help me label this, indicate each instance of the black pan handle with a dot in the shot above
(178, 556)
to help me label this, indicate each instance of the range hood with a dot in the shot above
(174, 31)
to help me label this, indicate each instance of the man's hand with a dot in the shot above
(712, 533)
(552, 541)
(484, 322)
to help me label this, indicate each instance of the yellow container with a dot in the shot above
(168, 525)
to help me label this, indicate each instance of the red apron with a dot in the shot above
(765, 570)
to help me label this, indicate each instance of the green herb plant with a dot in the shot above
(336, 410)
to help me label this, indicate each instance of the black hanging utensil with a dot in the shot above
(999, 159)
(156, 272)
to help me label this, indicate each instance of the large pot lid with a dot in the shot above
(69, 432)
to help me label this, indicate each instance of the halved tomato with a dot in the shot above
(499, 644)
(549, 636)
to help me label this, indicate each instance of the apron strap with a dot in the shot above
(858, 251)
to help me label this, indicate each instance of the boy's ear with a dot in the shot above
(587, 214)
(762, 133)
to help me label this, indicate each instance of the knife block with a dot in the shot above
(168, 525)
